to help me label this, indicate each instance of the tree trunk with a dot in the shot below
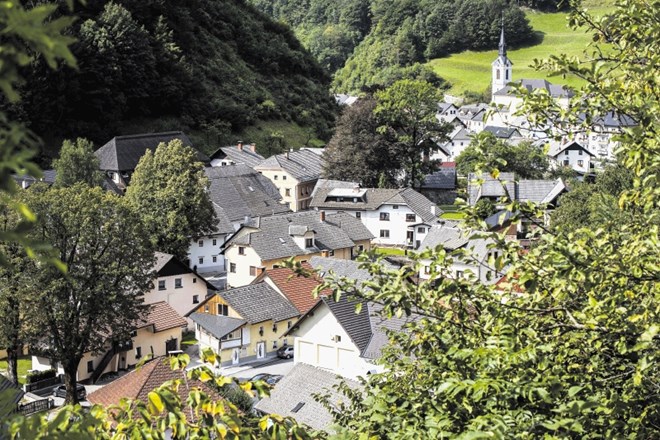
(12, 363)
(71, 381)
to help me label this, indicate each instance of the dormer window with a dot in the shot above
(309, 242)
(241, 250)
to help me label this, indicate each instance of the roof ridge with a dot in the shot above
(141, 135)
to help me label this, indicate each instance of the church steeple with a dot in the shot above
(502, 66)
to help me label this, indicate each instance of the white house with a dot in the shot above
(573, 155)
(459, 139)
(386, 213)
(235, 154)
(204, 254)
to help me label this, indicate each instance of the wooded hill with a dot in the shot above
(368, 42)
(210, 67)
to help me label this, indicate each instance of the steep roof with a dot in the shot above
(328, 183)
(452, 238)
(554, 90)
(122, 153)
(558, 148)
(137, 384)
(12, 395)
(218, 325)
(236, 154)
(502, 132)
(224, 225)
(303, 165)
(537, 191)
(298, 289)
(163, 317)
(271, 239)
(259, 302)
(370, 199)
(296, 392)
(343, 268)
(242, 192)
(490, 187)
(540, 191)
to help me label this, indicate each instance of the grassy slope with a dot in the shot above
(24, 364)
(471, 71)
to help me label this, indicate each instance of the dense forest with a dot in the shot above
(210, 67)
(367, 42)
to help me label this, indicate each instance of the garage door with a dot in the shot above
(327, 357)
(346, 359)
(305, 353)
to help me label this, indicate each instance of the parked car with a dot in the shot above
(285, 352)
(60, 391)
(260, 376)
(273, 379)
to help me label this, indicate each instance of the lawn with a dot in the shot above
(189, 339)
(389, 251)
(453, 215)
(471, 71)
(24, 364)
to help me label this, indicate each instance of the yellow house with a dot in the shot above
(268, 241)
(243, 324)
(294, 173)
(157, 334)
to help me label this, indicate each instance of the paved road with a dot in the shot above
(277, 366)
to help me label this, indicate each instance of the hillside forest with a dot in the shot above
(367, 42)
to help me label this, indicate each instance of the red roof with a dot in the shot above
(448, 165)
(137, 384)
(296, 288)
(163, 317)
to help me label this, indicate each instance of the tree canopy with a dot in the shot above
(524, 159)
(170, 192)
(77, 163)
(109, 263)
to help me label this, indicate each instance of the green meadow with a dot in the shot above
(471, 71)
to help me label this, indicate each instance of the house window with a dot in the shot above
(232, 267)
(206, 308)
(358, 215)
(507, 75)
(201, 260)
(223, 309)
(331, 253)
(90, 366)
(195, 299)
(274, 344)
(287, 192)
(215, 242)
(580, 163)
(567, 163)
(309, 242)
(395, 206)
(253, 271)
(215, 259)
(384, 233)
(284, 177)
(459, 274)
(360, 248)
(284, 342)
(241, 250)
(261, 330)
(138, 352)
(410, 218)
(337, 338)
(384, 216)
(579, 152)
(275, 177)
(497, 74)
(201, 243)
(288, 325)
(421, 230)
(565, 152)
(427, 270)
(178, 283)
(194, 280)
(161, 284)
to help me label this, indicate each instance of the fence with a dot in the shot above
(29, 387)
(36, 406)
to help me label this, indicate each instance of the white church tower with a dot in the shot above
(501, 67)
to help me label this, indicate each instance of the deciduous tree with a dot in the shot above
(110, 265)
(170, 191)
(77, 163)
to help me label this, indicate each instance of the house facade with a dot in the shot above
(386, 213)
(294, 173)
(235, 154)
(244, 323)
(267, 242)
(159, 333)
(572, 155)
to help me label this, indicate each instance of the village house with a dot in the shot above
(244, 323)
(459, 140)
(121, 154)
(441, 186)
(298, 289)
(268, 241)
(294, 173)
(235, 154)
(157, 334)
(386, 213)
(572, 155)
(177, 285)
(540, 191)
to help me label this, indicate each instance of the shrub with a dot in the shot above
(36, 376)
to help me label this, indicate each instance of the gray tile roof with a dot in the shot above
(537, 191)
(555, 90)
(271, 239)
(242, 192)
(443, 178)
(370, 199)
(12, 395)
(502, 132)
(303, 165)
(161, 260)
(343, 268)
(122, 153)
(540, 191)
(557, 148)
(327, 183)
(298, 387)
(218, 325)
(243, 155)
(493, 188)
(224, 225)
(259, 302)
(452, 238)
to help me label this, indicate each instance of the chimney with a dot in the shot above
(434, 210)
(239, 145)
(322, 215)
(253, 147)
(286, 155)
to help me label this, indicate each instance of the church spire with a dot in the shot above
(502, 46)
